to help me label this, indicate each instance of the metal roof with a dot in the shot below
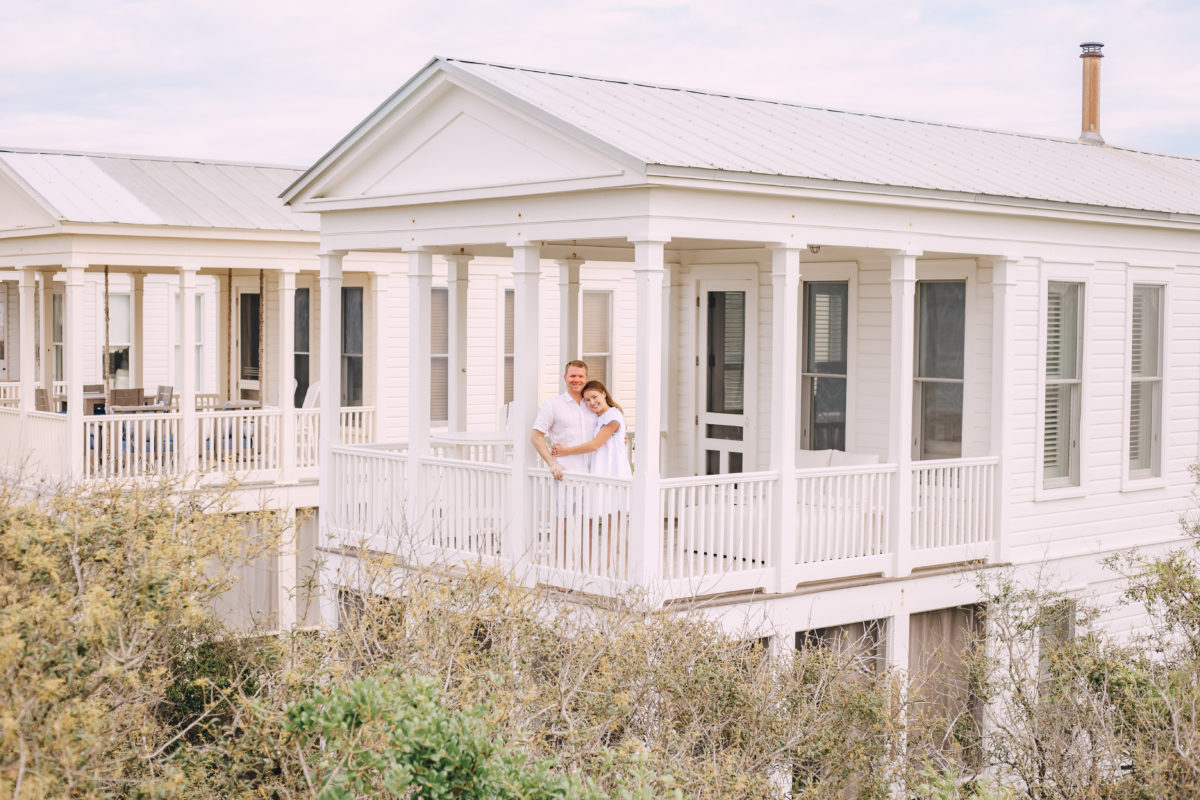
(148, 190)
(667, 126)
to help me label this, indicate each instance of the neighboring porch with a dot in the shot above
(117, 381)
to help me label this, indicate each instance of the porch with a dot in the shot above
(700, 535)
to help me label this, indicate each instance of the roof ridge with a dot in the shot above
(796, 104)
(222, 162)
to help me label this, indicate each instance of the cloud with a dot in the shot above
(283, 81)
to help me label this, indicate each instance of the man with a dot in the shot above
(565, 419)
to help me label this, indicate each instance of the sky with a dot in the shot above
(280, 82)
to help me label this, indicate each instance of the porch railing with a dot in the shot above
(580, 528)
(132, 445)
(238, 441)
(720, 533)
(37, 448)
(367, 497)
(952, 508)
(468, 506)
(10, 394)
(357, 423)
(718, 525)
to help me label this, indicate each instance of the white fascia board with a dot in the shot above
(611, 180)
(176, 232)
(719, 180)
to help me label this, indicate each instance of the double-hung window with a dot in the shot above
(938, 399)
(1064, 359)
(823, 377)
(1145, 380)
(439, 354)
(302, 344)
(119, 340)
(56, 335)
(597, 335)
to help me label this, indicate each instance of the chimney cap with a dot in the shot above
(1091, 49)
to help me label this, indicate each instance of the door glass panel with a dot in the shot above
(827, 413)
(726, 352)
(248, 357)
(735, 461)
(731, 433)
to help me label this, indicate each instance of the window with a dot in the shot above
(302, 345)
(119, 341)
(863, 643)
(509, 303)
(1064, 359)
(941, 335)
(56, 335)
(352, 346)
(439, 358)
(597, 335)
(1145, 387)
(199, 341)
(823, 376)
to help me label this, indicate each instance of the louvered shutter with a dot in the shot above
(1145, 379)
(439, 349)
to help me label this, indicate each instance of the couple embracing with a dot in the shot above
(586, 427)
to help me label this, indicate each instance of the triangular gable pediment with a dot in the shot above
(449, 138)
(18, 209)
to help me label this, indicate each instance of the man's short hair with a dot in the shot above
(575, 363)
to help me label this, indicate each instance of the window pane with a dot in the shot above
(118, 366)
(596, 321)
(1062, 330)
(56, 318)
(726, 351)
(1143, 408)
(301, 368)
(1145, 332)
(597, 368)
(352, 320)
(941, 328)
(941, 420)
(509, 327)
(301, 320)
(352, 380)
(249, 306)
(439, 320)
(118, 319)
(826, 421)
(825, 327)
(1059, 436)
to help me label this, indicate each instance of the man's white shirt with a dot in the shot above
(568, 423)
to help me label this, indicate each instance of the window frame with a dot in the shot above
(346, 358)
(1155, 475)
(176, 331)
(507, 355)
(805, 408)
(1076, 483)
(829, 272)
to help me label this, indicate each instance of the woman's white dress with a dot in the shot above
(612, 459)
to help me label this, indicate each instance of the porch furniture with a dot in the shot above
(240, 405)
(817, 459)
(126, 401)
(312, 397)
(41, 400)
(94, 399)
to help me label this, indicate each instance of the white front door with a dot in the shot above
(725, 351)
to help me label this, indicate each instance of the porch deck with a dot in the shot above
(719, 534)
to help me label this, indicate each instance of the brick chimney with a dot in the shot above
(1091, 56)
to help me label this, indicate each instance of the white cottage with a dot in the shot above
(864, 351)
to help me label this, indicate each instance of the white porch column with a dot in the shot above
(28, 292)
(646, 525)
(377, 361)
(1003, 287)
(569, 346)
(190, 444)
(330, 377)
(286, 593)
(47, 377)
(457, 283)
(137, 355)
(785, 312)
(900, 428)
(73, 355)
(527, 271)
(420, 284)
(287, 376)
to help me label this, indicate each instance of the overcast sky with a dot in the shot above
(281, 81)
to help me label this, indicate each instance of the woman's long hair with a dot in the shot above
(598, 386)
